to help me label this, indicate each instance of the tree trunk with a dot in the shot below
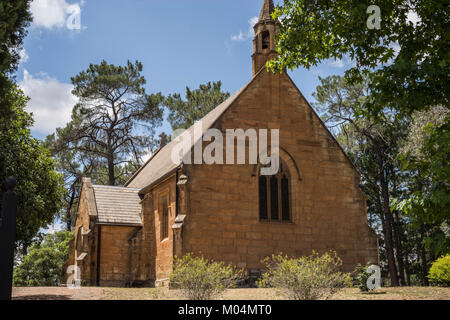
(110, 159)
(388, 222)
(398, 244)
(111, 175)
(69, 209)
(423, 257)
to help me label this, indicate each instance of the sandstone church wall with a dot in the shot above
(84, 242)
(114, 253)
(157, 247)
(328, 208)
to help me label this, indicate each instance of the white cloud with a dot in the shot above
(252, 23)
(345, 62)
(51, 14)
(337, 63)
(51, 101)
(23, 55)
(238, 37)
(250, 33)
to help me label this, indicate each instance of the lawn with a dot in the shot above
(53, 293)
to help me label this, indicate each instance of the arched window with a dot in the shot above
(79, 243)
(266, 40)
(165, 218)
(274, 196)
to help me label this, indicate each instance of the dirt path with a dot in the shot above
(55, 293)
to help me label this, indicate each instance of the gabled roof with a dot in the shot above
(117, 206)
(161, 164)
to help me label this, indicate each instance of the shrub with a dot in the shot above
(202, 279)
(44, 261)
(440, 272)
(306, 278)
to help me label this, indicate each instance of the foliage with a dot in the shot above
(372, 144)
(419, 130)
(203, 279)
(199, 102)
(43, 264)
(40, 187)
(306, 278)
(313, 31)
(426, 153)
(107, 122)
(440, 272)
(15, 17)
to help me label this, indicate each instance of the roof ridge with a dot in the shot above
(115, 187)
(224, 105)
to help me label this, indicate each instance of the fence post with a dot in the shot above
(7, 239)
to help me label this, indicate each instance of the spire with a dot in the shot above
(266, 11)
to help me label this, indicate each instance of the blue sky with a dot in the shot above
(180, 43)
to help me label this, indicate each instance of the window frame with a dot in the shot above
(164, 229)
(284, 171)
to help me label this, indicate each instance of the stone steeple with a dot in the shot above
(266, 11)
(264, 41)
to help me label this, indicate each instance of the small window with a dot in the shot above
(266, 40)
(274, 196)
(165, 218)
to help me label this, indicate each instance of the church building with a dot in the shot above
(129, 236)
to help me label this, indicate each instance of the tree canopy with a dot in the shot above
(402, 161)
(15, 17)
(40, 187)
(115, 119)
(413, 78)
(43, 264)
(184, 113)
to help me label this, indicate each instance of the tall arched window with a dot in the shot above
(165, 218)
(266, 40)
(274, 196)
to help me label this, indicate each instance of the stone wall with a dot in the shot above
(115, 255)
(83, 248)
(159, 251)
(328, 208)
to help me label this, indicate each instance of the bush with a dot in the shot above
(44, 261)
(307, 278)
(202, 279)
(439, 274)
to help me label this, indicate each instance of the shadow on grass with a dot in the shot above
(42, 297)
(374, 293)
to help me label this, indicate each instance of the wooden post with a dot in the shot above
(7, 239)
